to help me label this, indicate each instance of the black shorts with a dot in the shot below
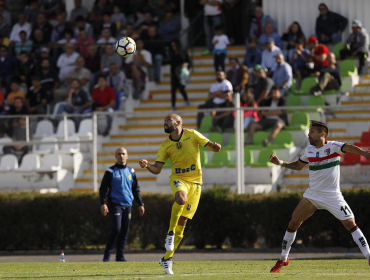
(269, 123)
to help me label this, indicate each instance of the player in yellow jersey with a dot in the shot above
(182, 148)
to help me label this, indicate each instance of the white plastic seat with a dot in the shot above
(3, 142)
(44, 128)
(8, 163)
(70, 148)
(46, 148)
(71, 128)
(51, 162)
(86, 129)
(30, 162)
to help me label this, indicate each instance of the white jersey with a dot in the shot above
(324, 173)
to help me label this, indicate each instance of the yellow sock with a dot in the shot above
(175, 215)
(179, 234)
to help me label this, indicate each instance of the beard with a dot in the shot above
(219, 80)
(313, 142)
(169, 129)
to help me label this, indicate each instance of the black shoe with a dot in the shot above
(121, 260)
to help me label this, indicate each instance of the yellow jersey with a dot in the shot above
(184, 155)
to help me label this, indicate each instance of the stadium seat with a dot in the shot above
(70, 148)
(264, 158)
(206, 124)
(220, 159)
(85, 129)
(71, 128)
(51, 162)
(30, 162)
(299, 121)
(258, 138)
(216, 137)
(168, 164)
(351, 159)
(315, 101)
(203, 157)
(231, 145)
(46, 148)
(248, 158)
(365, 161)
(283, 140)
(365, 140)
(348, 68)
(44, 128)
(293, 100)
(307, 84)
(336, 50)
(3, 142)
(8, 162)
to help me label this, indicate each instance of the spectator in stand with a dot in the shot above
(32, 11)
(259, 22)
(4, 28)
(24, 45)
(291, 36)
(107, 24)
(170, 28)
(140, 17)
(106, 38)
(218, 93)
(103, 100)
(220, 42)
(299, 60)
(263, 86)
(5, 13)
(148, 21)
(59, 29)
(37, 98)
(253, 55)
(269, 56)
(154, 43)
(77, 102)
(100, 8)
(92, 63)
(48, 78)
(137, 67)
(117, 80)
(221, 121)
(118, 19)
(329, 77)
(67, 38)
(283, 75)
(211, 19)
(130, 31)
(14, 93)
(179, 59)
(247, 100)
(318, 54)
(80, 73)
(83, 43)
(67, 61)
(26, 69)
(82, 24)
(357, 44)
(45, 53)
(233, 19)
(44, 26)
(329, 25)
(237, 75)
(110, 56)
(39, 42)
(18, 27)
(275, 119)
(160, 10)
(78, 11)
(2, 111)
(269, 33)
(8, 65)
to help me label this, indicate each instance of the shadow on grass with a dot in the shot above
(78, 276)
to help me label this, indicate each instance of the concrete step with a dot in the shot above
(134, 163)
(148, 129)
(195, 76)
(231, 50)
(158, 120)
(133, 155)
(86, 184)
(152, 103)
(133, 146)
(191, 96)
(195, 82)
(168, 91)
(141, 173)
(192, 85)
(166, 110)
(201, 68)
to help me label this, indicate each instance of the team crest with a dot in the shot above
(317, 154)
(179, 145)
(129, 177)
(327, 152)
(188, 207)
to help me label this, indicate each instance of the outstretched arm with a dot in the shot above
(215, 147)
(155, 168)
(356, 150)
(294, 165)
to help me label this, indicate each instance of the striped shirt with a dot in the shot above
(324, 172)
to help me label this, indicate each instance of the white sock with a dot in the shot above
(288, 240)
(361, 242)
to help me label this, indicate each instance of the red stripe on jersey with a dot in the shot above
(315, 159)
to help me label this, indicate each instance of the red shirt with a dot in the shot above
(321, 49)
(103, 97)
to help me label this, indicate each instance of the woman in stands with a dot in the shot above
(291, 36)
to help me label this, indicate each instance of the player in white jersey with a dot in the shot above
(323, 191)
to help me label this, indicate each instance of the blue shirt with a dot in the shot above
(263, 39)
(252, 57)
(120, 185)
(269, 57)
(299, 62)
(283, 73)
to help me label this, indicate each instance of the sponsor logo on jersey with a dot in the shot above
(129, 177)
(327, 152)
(188, 207)
(179, 145)
(185, 170)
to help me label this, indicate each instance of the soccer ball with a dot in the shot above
(126, 46)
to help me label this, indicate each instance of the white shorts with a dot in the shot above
(334, 203)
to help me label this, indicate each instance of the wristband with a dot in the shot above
(281, 162)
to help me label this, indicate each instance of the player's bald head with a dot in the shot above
(121, 150)
(175, 117)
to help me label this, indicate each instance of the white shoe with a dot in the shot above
(170, 242)
(167, 265)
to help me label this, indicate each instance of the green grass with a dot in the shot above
(297, 269)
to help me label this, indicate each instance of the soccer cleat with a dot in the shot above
(170, 242)
(167, 265)
(279, 264)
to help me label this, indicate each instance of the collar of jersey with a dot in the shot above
(120, 165)
(182, 131)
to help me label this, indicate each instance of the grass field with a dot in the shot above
(297, 269)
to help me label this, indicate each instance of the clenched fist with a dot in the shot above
(143, 163)
(274, 159)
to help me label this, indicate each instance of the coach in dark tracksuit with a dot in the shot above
(120, 186)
